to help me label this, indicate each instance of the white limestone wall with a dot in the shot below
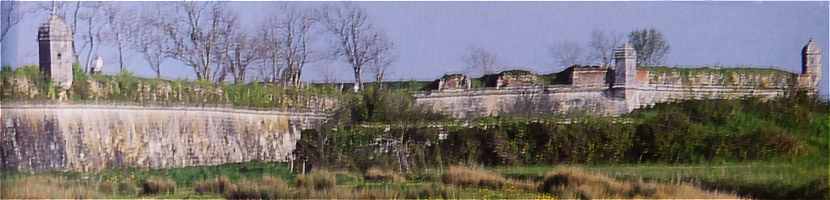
(520, 101)
(86, 138)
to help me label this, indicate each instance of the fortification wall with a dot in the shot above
(88, 137)
(522, 101)
(656, 85)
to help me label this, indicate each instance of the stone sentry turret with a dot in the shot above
(55, 50)
(626, 85)
(625, 67)
(810, 66)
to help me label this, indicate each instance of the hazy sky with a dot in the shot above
(431, 36)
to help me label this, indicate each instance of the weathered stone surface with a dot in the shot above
(55, 49)
(453, 82)
(810, 65)
(589, 76)
(86, 137)
(520, 101)
(516, 78)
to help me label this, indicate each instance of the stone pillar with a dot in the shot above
(625, 84)
(810, 66)
(625, 68)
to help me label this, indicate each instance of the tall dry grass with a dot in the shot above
(475, 177)
(576, 183)
(218, 185)
(46, 187)
(320, 180)
(378, 174)
(266, 188)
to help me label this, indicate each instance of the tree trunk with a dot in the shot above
(158, 71)
(358, 83)
(120, 51)
(74, 28)
(89, 53)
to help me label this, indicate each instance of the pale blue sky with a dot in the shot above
(432, 36)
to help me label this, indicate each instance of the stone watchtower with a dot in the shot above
(55, 50)
(625, 66)
(810, 66)
(625, 83)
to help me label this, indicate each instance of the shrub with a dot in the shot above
(126, 188)
(319, 180)
(218, 185)
(158, 185)
(378, 174)
(468, 177)
(575, 183)
(266, 188)
(122, 187)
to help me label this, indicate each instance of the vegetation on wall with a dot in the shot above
(28, 84)
(760, 77)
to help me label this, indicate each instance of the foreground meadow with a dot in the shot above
(275, 180)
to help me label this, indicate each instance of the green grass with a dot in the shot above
(125, 87)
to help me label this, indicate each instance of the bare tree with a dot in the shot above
(567, 53)
(10, 15)
(91, 16)
(228, 39)
(356, 40)
(650, 45)
(602, 46)
(479, 60)
(290, 34)
(195, 36)
(243, 52)
(119, 24)
(380, 65)
(273, 53)
(149, 40)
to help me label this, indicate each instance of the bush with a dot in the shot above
(158, 185)
(266, 188)
(218, 185)
(575, 183)
(124, 187)
(320, 180)
(377, 174)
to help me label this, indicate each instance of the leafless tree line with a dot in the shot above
(10, 15)
(600, 50)
(650, 45)
(208, 38)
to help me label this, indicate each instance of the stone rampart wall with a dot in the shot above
(656, 86)
(520, 101)
(87, 137)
